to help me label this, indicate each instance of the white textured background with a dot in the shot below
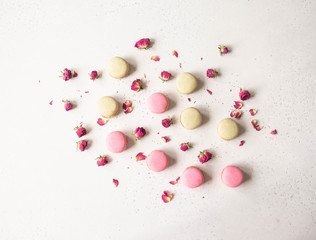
(50, 191)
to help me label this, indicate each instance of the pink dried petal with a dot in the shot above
(116, 182)
(127, 104)
(255, 125)
(165, 139)
(86, 92)
(253, 112)
(75, 74)
(102, 160)
(174, 53)
(258, 128)
(238, 105)
(232, 113)
(209, 91)
(102, 121)
(238, 114)
(273, 132)
(242, 142)
(51, 102)
(143, 43)
(175, 181)
(140, 156)
(155, 58)
(189, 99)
(166, 197)
(165, 76)
(128, 110)
(137, 85)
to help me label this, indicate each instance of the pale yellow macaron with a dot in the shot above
(186, 83)
(227, 129)
(107, 107)
(118, 68)
(190, 118)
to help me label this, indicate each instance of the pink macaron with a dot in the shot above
(232, 176)
(116, 142)
(157, 103)
(192, 177)
(157, 161)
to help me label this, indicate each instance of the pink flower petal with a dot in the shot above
(232, 113)
(209, 91)
(128, 110)
(258, 128)
(86, 92)
(174, 53)
(102, 121)
(189, 99)
(253, 112)
(238, 114)
(140, 156)
(273, 132)
(165, 139)
(175, 181)
(242, 142)
(166, 197)
(155, 58)
(51, 102)
(116, 182)
(255, 125)
(238, 105)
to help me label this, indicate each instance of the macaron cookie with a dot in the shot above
(186, 83)
(190, 118)
(157, 161)
(157, 103)
(116, 142)
(118, 68)
(227, 129)
(232, 176)
(192, 177)
(107, 107)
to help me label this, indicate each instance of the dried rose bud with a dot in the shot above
(166, 122)
(165, 139)
(143, 43)
(185, 146)
(67, 105)
(165, 76)
(80, 130)
(211, 73)
(244, 95)
(204, 156)
(137, 85)
(102, 160)
(81, 145)
(223, 49)
(66, 74)
(139, 133)
(94, 75)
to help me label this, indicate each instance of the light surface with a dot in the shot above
(50, 191)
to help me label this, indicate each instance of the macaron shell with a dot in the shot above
(192, 177)
(157, 103)
(107, 107)
(227, 129)
(157, 161)
(232, 176)
(190, 118)
(116, 142)
(118, 68)
(186, 83)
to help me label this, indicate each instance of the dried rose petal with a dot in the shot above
(253, 112)
(80, 131)
(137, 85)
(143, 43)
(139, 133)
(165, 139)
(244, 95)
(211, 73)
(155, 58)
(75, 74)
(175, 182)
(242, 142)
(166, 197)
(238, 105)
(67, 105)
(102, 121)
(204, 156)
(128, 110)
(81, 145)
(174, 53)
(116, 182)
(166, 122)
(238, 114)
(255, 125)
(209, 91)
(94, 75)
(86, 91)
(258, 128)
(273, 132)
(232, 113)
(223, 50)
(140, 156)
(189, 99)
(185, 146)
(127, 106)
(165, 76)
(102, 160)
(51, 102)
